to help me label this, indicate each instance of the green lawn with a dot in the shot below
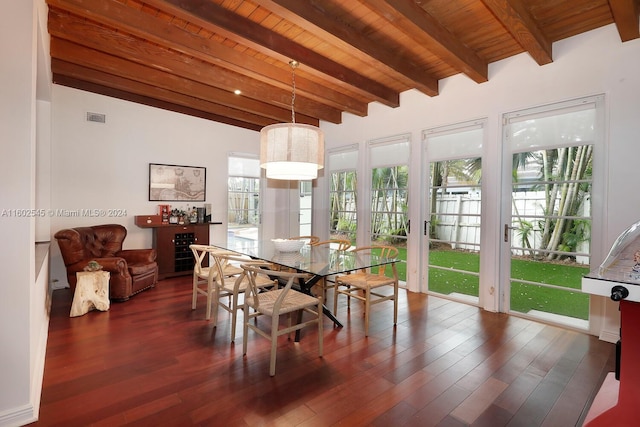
(402, 266)
(446, 281)
(524, 297)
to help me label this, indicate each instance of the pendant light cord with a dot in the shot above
(294, 64)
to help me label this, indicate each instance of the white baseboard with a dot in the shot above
(609, 336)
(17, 416)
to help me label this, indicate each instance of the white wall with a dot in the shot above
(106, 166)
(22, 315)
(592, 63)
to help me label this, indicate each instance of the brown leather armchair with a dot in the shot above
(132, 270)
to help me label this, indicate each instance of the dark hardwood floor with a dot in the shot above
(153, 361)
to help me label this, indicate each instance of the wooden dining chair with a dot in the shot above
(338, 244)
(232, 287)
(205, 273)
(366, 286)
(276, 303)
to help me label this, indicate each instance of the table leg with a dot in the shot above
(306, 288)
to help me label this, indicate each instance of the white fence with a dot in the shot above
(458, 221)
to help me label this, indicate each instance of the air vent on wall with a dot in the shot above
(96, 117)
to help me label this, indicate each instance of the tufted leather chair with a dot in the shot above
(132, 270)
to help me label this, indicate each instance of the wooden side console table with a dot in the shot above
(171, 242)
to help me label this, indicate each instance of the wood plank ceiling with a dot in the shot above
(189, 56)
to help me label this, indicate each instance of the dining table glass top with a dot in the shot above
(316, 260)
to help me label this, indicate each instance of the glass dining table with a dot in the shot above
(318, 261)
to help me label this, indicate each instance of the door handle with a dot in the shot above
(507, 227)
(426, 224)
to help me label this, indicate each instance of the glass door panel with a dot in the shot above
(548, 168)
(343, 222)
(389, 207)
(388, 185)
(453, 209)
(549, 233)
(454, 228)
(343, 193)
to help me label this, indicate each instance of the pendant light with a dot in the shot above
(292, 151)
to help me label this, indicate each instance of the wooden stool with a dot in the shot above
(92, 291)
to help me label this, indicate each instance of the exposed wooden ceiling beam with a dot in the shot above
(87, 58)
(271, 43)
(625, 15)
(102, 79)
(117, 15)
(135, 51)
(410, 18)
(193, 54)
(307, 15)
(517, 20)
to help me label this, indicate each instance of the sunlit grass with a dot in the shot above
(524, 297)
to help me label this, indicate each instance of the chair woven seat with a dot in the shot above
(360, 284)
(293, 302)
(277, 302)
(366, 280)
(228, 271)
(242, 283)
(231, 270)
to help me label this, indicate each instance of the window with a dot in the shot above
(343, 221)
(306, 207)
(243, 197)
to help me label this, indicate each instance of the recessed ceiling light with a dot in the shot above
(237, 91)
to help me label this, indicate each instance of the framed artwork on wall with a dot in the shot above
(177, 183)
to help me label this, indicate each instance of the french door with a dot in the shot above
(388, 184)
(548, 157)
(452, 224)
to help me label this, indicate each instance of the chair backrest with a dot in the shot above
(200, 253)
(224, 258)
(309, 239)
(339, 244)
(253, 270)
(381, 251)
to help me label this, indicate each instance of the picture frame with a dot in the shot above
(177, 183)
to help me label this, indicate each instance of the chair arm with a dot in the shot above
(114, 265)
(138, 256)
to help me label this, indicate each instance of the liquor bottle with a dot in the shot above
(194, 215)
